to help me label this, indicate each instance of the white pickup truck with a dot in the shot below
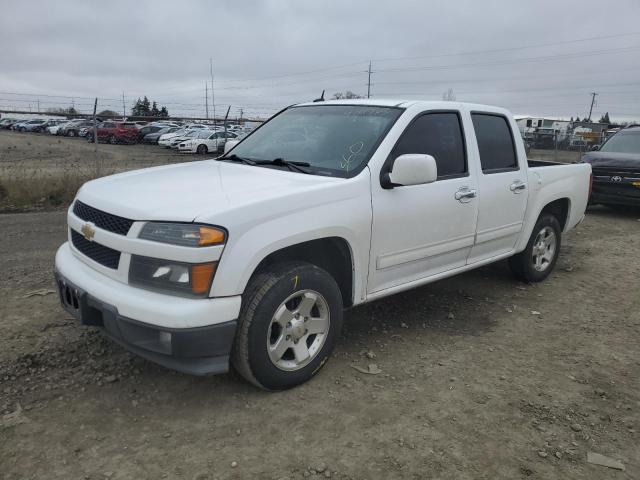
(251, 258)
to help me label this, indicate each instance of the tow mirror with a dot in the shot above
(229, 144)
(411, 169)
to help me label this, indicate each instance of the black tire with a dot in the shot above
(71, 133)
(202, 150)
(264, 294)
(523, 265)
(112, 140)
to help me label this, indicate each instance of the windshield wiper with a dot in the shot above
(236, 158)
(281, 162)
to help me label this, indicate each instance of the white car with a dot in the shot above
(205, 142)
(168, 139)
(53, 129)
(165, 139)
(251, 258)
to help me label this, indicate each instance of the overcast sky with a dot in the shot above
(539, 57)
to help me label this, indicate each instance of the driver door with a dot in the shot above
(422, 230)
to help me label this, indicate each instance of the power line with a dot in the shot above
(507, 49)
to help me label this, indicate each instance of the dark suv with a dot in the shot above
(616, 169)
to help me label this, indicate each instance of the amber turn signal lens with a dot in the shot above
(210, 236)
(201, 276)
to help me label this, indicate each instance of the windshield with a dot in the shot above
(335, 140)
(623, 142)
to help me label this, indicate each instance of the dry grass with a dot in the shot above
(44, 172)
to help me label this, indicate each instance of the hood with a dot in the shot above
(182, 192)
(612, 159)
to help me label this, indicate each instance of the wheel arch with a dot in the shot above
(333, 254)
(560, 208)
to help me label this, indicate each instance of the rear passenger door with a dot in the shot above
(502, 187)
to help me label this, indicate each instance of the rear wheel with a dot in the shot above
(289, 323)
(537, 260)
(71, 133)
(202, 149)
(112, 140)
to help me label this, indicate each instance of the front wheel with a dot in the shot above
(289, 324)
(202, 150)
(112, 140)
(537, 260)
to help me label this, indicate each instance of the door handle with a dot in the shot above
(517, 186)
(465, 194)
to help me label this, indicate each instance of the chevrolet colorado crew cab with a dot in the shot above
(250, 259)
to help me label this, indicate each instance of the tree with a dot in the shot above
(449, 96)
(145, 108)
(605, 118)
(107, 114)
(345, 95)
(577, 119)
(63, 111)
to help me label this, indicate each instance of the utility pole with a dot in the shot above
(38, 105)
(213, 98)
(206, 98)
(124, 109)
(593, 100)
(95, 125)
(369, 81)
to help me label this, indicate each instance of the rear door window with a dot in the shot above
(495, 143)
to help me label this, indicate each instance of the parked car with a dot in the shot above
(149, 129)
(31, 126)
(117, 132)
(16, 125)
(251, 259)
(205, 141)
(616, 169)
(166, 138)
(73, 129)
(152, 138)
(51, 123)
(70, 125)
(6, 123)
(174, 142)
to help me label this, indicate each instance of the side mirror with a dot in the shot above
(411, 169)
(229, 144)
(595, 147)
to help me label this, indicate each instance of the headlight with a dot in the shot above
(183, 234)
(167, 276)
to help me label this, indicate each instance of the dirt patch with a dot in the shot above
(472, 383)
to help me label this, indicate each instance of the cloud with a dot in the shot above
(262, 50)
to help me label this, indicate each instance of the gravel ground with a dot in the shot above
(481, 377)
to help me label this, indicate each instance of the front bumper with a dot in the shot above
(619, 193)
(193, 336)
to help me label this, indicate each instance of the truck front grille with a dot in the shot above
(103, 220)
(106, 256)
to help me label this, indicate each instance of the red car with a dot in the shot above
(117, 132)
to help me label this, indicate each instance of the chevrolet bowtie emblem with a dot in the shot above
(88, 231)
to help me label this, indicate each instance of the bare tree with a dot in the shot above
(449, 96)
(345, 95)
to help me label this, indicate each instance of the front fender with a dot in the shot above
(347, 218)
